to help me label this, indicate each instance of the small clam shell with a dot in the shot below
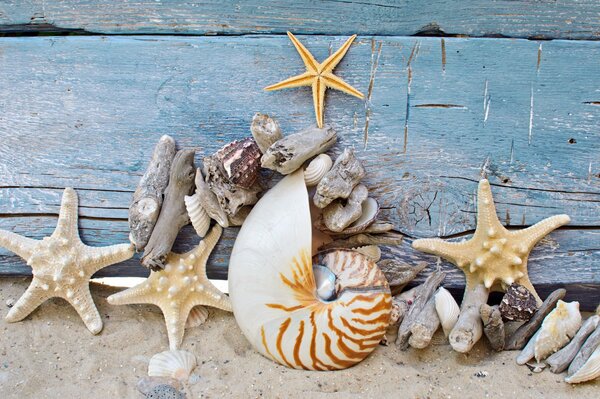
(557, 329)
(316, 169)
(447, 309)
(589, 371)
(176, 364)
(198, 315)
(370, 251)
(198, 216)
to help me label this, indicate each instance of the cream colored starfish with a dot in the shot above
(319, 76)
(494, 256)
(180, 286)
(62, 266)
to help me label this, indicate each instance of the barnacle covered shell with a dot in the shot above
(447, 309)
(589, 371)
(176, 364)
(316, 169)
(240, 160)
(273, 290)
(198, 216)
(518, 304)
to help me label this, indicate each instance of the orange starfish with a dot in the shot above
(319, 76)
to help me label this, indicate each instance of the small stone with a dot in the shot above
(518, 304)
(10, 302)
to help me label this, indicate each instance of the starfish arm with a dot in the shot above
(203, 250)
(33, 297)
(331, 62)
(309, 61)
(175, 319)
(338, 84)
(141, 293)
(487, 220)
(22, 246)
(451, 251)
(318, 89)
(211, 296)
(532, 235)
(67, 217)
(304, 79)
(84, 304)
(96, 258)
(525, 282)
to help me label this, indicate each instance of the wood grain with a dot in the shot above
(86, 112)
(479, 18)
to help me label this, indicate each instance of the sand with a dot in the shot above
(52, 355)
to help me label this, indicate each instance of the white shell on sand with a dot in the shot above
(176, 364)
(198, 315)
(589, 371)
(316, 169)
(447, 309)
(198, 216)
(557, 329)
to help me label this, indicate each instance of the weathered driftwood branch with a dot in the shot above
(528, 351)
(358, 240)
(424, 292)
(468, 328)
(346, 173)
(560, 360)
(289, 153)
(398, 273)
(425, 325)
(148, 196)
(173, 215)
(588, 347)
(522, 335)
(377, 227)
(493, 326)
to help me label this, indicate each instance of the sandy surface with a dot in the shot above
(52, 355)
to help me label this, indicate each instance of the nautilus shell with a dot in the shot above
(274, 293)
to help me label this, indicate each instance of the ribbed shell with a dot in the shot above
(557, 329)
(198, 216)
(447, 309)
(176, 364)
(589, 371)
(316, 169)
(240, 160)
(273, 291)
(198, 315)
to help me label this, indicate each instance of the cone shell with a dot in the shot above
(240, 161)
(557, 329)
(447, 309)
(198, 315)
(589, 371)
(176, 364)
(316, 169)
(198, 216)
(273, 292)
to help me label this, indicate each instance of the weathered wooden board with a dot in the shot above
(521, 18)
(87, 111)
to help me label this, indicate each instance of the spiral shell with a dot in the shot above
(447, 309)
(273, 291)
(316, 169)
(240, 161)
(176, 364)
(198, 216)
(557, 329)
(589, 371)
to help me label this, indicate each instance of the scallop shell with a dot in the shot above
(198, 315)
(273, 291)
(447, 309)
(240, 160)
(370, 251)
(589, 371)
(176, 364)
(198, 216)
(557, 329)
(316, 169)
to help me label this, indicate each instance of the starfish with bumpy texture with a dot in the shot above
(494, 256)
(180, 286)
(319, 76)
(62, 266)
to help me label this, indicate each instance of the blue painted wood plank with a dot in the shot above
(521, 18)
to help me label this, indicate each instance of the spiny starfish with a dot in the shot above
(319, 76)
(62, 266)
(180, 286)
(494, 256)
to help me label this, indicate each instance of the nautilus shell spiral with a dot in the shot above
(274, 293)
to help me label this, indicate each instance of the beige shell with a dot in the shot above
(447, 309)
(370, 251)
(316, 169)
(198, 216)
(176, 364)
(198, 315)
(589, 371)
(557, 329)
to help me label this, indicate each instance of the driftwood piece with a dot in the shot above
(588, 347)
(560, 360)
(346, 173)
(338, 215)
(358, 240)
(425, 325)
(288, 154)
(173, 215)
(377, 227)
(522, 335)
(528, 351)
(265, 131)
(468, 328)
(424, 292)
(148, 196)
(398, 273)
(493, 326)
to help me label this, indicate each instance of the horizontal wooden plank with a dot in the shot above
(479, 18)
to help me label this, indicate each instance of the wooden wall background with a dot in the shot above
(508, 88)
